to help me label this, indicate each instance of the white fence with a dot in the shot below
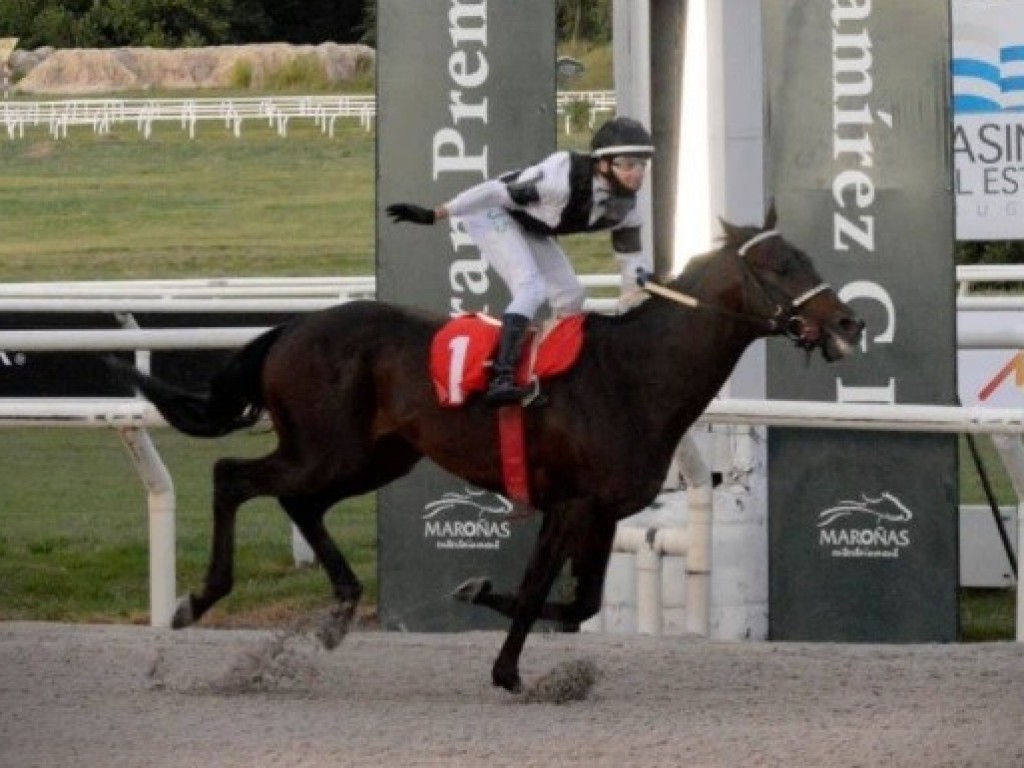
(101, 115)
(130, 417)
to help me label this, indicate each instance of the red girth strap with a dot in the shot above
(512, 442)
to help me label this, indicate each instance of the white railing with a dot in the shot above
(362, 286)
(598, 103)
(102, 114)
(968, 276)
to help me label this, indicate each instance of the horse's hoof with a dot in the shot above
(335, 625)
(183, 616)
(471, 590)
(507, 679)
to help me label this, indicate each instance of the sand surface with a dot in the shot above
(78, 695)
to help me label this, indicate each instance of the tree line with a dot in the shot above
(188, 23)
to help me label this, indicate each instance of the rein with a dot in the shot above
(777, 323)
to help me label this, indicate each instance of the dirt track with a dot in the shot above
(132, 696)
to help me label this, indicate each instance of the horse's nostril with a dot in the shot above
(852, 325)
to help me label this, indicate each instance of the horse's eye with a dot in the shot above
(776, 264)
(783, 267)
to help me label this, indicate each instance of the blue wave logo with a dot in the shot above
(987, 78)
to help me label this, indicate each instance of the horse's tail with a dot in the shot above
(234, 399)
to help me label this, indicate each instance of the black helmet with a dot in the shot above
(621, 136)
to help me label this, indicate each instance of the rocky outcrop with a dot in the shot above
(107, 70)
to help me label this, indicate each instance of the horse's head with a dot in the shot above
(780, 284)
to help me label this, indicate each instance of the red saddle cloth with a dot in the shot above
(462, 350)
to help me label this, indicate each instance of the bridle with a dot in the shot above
(785, 320)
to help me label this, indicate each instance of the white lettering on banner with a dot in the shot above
(867, 289)
(853, 187)
(868, 527)
(853, 190)
(450, 155)
(468, 519)
(467, 275)
(469, 71)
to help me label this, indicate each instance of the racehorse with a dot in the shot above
(349, 396)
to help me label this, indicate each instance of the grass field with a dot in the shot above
(72, 513)
(122, 206)
(73, 537)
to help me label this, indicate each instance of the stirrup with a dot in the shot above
(510, 394)
(513, 394)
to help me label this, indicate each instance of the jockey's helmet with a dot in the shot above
(621, 136)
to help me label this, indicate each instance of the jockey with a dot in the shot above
(515, 219)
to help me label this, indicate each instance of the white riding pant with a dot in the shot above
(534, 267)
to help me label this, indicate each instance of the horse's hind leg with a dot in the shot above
(235, 481)
(388, 459)
(308, 515)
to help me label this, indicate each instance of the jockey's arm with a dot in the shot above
(488, 194)
(538, 188)
(630, 255)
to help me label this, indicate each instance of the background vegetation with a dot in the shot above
(171, 23)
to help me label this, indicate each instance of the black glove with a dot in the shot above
(409, 212)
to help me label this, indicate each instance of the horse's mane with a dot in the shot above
(689, 280)
(732, 238)
(693, 272)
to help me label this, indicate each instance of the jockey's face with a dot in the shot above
(627, 170)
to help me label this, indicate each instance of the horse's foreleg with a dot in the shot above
(307, 514)
(548, 557)
(589, 555)
(589, 552)
(230, 490)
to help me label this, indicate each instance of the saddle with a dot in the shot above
(461, 355)
(462, 352)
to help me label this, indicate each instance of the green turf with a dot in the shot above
(74, 536)
(123, 206)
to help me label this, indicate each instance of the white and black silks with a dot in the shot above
(587, 209)
(561, 195)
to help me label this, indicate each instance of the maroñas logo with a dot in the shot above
(470, 519)
(870, 527)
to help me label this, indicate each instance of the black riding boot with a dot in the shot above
(503, 389)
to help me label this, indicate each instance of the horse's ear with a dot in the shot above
(771, 217)
(732, 232)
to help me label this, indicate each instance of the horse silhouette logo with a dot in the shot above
(885, 507)
(473, 500)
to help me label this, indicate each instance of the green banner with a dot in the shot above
(465, 91)
(863, 526)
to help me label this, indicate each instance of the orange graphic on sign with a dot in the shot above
(1015, 366)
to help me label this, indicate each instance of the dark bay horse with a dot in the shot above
(349, 395)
